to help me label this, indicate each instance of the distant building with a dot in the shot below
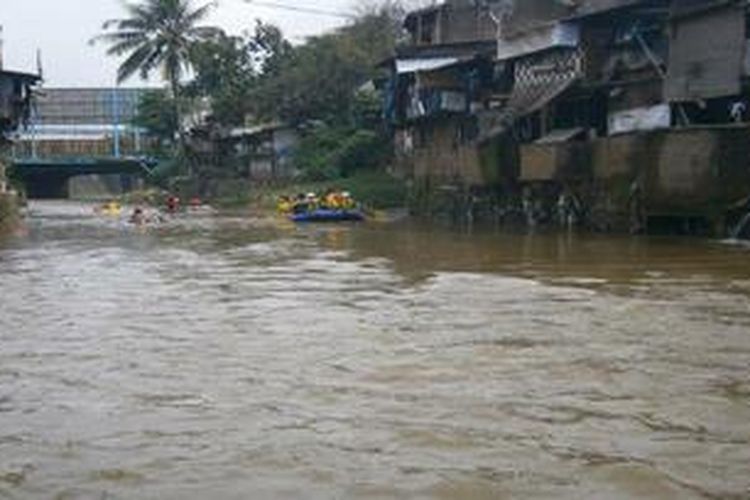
(258, 153)
(439, 84)
(265, 152)
(83, 122)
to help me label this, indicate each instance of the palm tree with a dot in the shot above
(157, 35)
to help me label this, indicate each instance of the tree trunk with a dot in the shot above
(182, 146)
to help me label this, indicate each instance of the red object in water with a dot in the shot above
(173, 203)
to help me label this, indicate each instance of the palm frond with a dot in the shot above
(156, 34)
(152, 62)
(199, 14)
(117, 38)
(126, 46)
(134, 62)
(204, 33)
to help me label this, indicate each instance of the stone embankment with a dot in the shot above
(8, 212)
(8, 203)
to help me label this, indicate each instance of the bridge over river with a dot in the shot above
(76, 132)
(49, 177)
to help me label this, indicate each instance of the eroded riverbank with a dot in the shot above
(235, 357)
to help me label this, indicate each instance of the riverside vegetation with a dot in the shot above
(323, 87)
(8, 203)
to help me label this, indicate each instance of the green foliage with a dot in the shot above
(319, 79)
(156, 113)
(327, 81)
(157, 34)
(269, 48)
(221, 62)
(367, 111)
(316, 154)
(225, 72)
(8, 213)
(8, 203)
(330, 153)
(362, 150)
(164, 171)
(376, 189)
(228, 70)
(260, 76)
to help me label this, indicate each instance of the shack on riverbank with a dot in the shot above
(618, 115)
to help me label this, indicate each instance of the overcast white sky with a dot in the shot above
(62, 29)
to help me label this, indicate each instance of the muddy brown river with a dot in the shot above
(235, 357)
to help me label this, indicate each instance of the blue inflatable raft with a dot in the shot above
(326, 215)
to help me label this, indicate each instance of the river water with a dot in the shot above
(233, 357)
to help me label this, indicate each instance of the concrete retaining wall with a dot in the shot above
(619, 182)
(698, 171)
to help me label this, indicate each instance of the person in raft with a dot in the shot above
(173, 204)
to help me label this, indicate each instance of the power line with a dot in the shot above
(305, 10)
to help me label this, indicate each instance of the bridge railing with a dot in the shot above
(60, 147)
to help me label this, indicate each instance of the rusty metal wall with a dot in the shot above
(707, 54)
(528, 14)
(465, 23)
(444, 156)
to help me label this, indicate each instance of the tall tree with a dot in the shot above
(224, 73)
(228, 69)
(319, 79)
(269, 48)
(156, 114)
(157, 35)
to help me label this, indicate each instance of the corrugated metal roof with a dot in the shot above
(404, 66)
(17, 74)
(707, 54)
